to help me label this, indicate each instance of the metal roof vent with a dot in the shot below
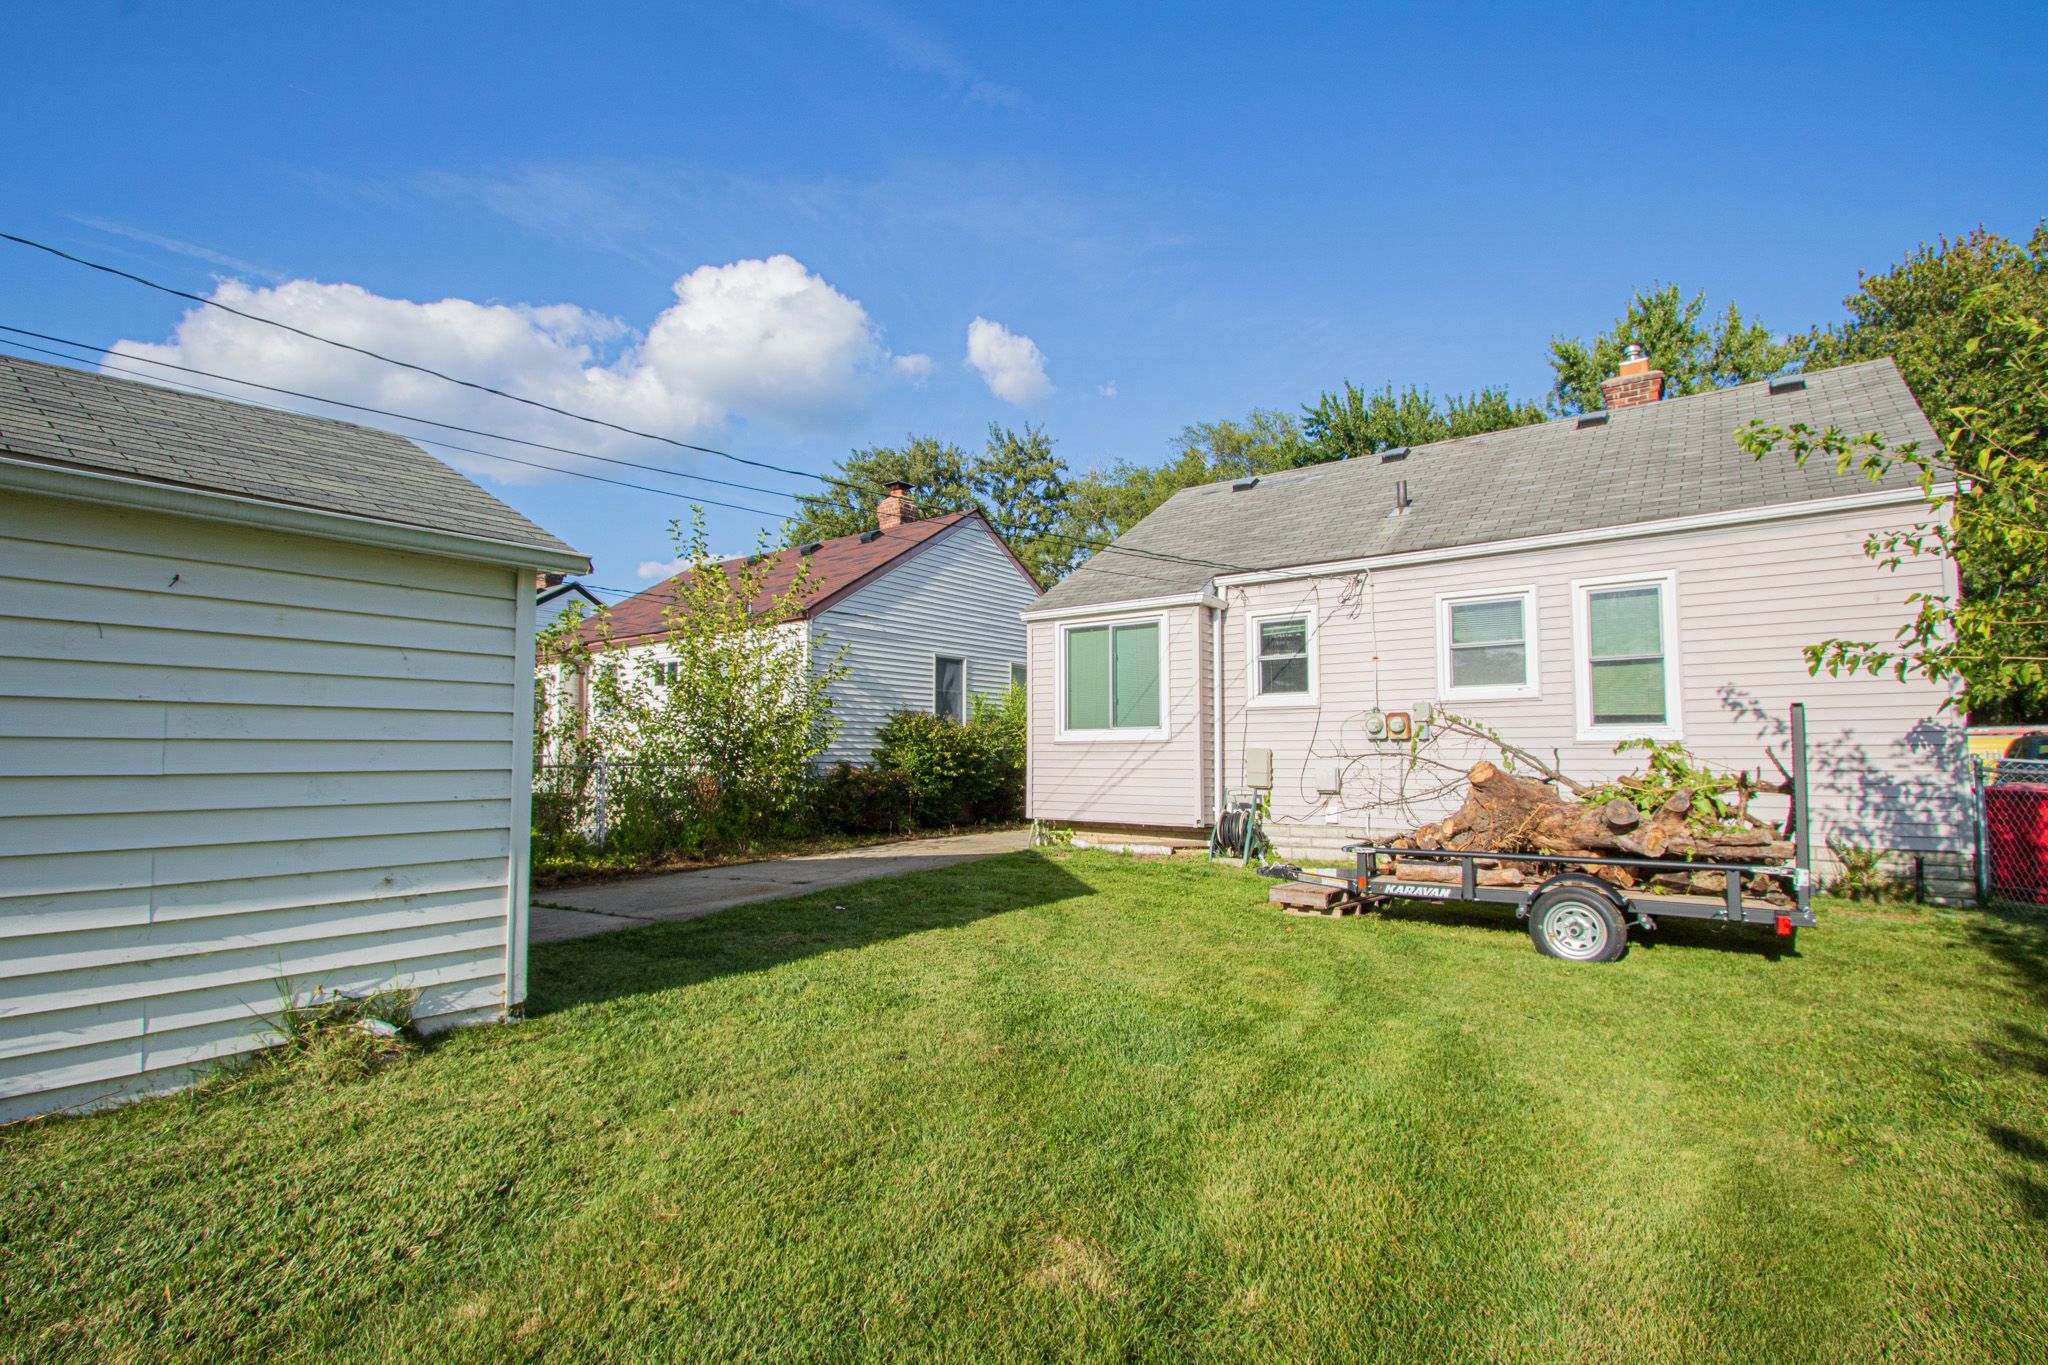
(869, 537)
(1401, 502)
(811, 548)
(1591, 419)
(1245, 485)
(1787, 383)
(1393, 453)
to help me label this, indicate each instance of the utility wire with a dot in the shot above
(472, 384)
(387, 412)
(188, 387)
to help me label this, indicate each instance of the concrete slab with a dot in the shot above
(582, 911)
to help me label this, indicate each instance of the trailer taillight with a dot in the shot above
(1784, 926)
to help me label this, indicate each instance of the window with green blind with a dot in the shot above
(1626, 655)
(1113, 677)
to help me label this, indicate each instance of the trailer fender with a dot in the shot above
(1579, 879)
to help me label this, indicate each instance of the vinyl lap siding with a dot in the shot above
(1156, 781)
(236, 763)
(1885, 761)
(959, 597)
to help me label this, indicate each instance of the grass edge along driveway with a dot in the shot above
(1072, 1104)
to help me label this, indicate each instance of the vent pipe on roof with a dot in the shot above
(1400, 498)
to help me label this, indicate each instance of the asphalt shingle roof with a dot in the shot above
(838, 566)
(1676, 458)
(62, 416)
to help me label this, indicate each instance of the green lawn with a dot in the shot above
(1073, 1105)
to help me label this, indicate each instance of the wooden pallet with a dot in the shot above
(1313, 898)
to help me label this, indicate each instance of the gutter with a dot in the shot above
(78, 485)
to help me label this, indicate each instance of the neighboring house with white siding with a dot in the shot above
(921, 613)
(1630, 573)
(265, 689)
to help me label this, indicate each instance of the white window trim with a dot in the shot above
(1531, 686)
(1279, 700)
(1061, 734)
(1582, 659)
(966, 685)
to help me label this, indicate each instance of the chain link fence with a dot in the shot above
(2012, 829)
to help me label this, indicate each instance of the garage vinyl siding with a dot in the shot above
(1109, 780)
(960, 597)
(1885, 759)
(230, 760)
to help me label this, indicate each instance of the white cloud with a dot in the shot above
(651, 569)
(915, 368)
(763, 340)
(1011, 364)
(1107, 388)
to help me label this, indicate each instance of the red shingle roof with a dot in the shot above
(838, 566)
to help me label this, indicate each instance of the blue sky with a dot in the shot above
(1161, 214)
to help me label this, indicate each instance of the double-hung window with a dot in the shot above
(1628, 671)
(1487, 646)
(949, 688)
(1283, 659)
(1112, 678)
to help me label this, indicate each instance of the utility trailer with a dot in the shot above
(1577, 916)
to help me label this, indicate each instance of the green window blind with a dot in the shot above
(1489, 644)
(1113, 677)
(1625, 639)
(1088, 678)
(1137, 677)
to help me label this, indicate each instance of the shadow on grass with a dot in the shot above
(2016, 938)
(1669, 933)
(765, 934)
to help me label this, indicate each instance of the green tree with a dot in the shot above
(1103, 504)
(939, 473)
(1987, 493)
(1343, 426)
(711, 735)
(1695, 352)
(1937, 315)
(1022, 487)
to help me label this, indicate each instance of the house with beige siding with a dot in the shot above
(1627, 574)
(918, 613)
(265, 731)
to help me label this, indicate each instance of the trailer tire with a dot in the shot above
(1577, 924)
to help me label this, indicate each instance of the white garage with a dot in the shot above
(265, 687)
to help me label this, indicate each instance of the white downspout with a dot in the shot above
(1216, 709)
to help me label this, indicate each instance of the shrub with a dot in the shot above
(959, 774)
(850, 800)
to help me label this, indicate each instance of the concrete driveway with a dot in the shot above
(579, 912)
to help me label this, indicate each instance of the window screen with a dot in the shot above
(949, 688)
(1489, 643)
(1625, 647)
(1283, 657)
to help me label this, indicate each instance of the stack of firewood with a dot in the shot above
(1504, 813)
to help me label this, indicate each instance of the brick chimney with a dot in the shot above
(1635, 383)
(896, 506)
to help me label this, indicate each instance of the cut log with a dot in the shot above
(1449, 875)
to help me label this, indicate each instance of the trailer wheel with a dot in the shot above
(1577, 925)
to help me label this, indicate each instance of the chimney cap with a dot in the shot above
(1634, 351)
(897, 486)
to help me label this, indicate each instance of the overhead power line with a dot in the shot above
(536, 403)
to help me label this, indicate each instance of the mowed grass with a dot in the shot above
(1071, 1105)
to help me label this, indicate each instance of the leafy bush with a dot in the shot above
(850, 800)
(959, 774)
